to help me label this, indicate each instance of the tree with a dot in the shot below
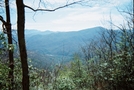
(22, 46)
(6, 25)
(9, 34)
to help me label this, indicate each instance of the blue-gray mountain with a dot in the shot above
(46, 48)
(59, 43)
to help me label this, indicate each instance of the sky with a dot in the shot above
(72, 18)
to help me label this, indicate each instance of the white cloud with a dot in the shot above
(73, 18)
(76, 18)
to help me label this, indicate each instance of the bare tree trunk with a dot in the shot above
(9, 35)
(22, 45)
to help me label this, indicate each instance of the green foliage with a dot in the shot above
(10, 47)
(17, 74)
(3, 44)
(4, 76)
(3, 66)
(78, 73)
(64, 83)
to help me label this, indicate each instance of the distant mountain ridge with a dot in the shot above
(59, 43)
(45, 48)
(29, 33)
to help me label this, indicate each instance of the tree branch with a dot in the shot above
(2, 20)
(51, 10)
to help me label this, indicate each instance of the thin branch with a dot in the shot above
(51, 10)
(2, 20)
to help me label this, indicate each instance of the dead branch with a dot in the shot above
(51, 10)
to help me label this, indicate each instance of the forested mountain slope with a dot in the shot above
(59, 43)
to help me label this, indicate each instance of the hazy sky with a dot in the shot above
(71, 18)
